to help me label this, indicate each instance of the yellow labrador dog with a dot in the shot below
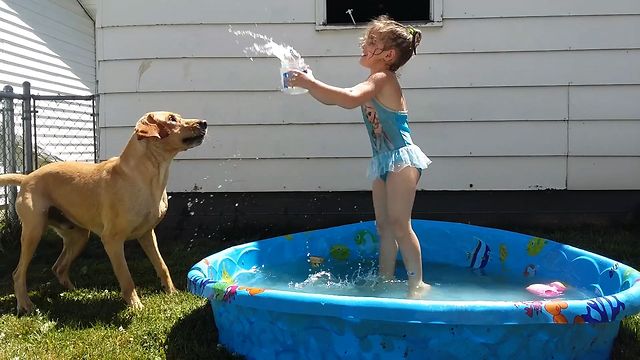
(118, 199)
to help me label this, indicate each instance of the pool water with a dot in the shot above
(449, 283)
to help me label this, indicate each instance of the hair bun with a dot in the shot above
(416, 37)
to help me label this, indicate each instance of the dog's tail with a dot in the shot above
(12, 179)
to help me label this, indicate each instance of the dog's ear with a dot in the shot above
(147, 127)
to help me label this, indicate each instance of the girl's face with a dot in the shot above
(373, 51)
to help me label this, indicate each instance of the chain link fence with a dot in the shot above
(37, 130)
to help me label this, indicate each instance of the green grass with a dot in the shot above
(92, 322)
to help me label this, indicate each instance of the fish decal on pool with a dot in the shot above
(230, 293)
(339, 252)
(315, 261)
(363, 235)
(530, 270)
(253, 291)
(503, 253)
(366, 241)
(555, 309)
(629, 278)
(480, 255)
(535, 245)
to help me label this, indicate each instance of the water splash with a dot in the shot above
(286, 53)
(362, 281)
(322, 278)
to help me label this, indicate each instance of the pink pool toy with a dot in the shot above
(553, 289)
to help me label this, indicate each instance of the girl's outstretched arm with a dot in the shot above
(347, 98)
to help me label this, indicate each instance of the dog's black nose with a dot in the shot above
(203, 124)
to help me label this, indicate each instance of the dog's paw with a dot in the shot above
(25, 308)
(137, 305)
(170, 289)
(133, 301)
(67, 284)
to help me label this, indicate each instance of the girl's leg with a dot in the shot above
(388, 245)
(401, 191)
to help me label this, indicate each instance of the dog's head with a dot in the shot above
(170, 130)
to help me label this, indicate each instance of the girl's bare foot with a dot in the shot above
(418, 291)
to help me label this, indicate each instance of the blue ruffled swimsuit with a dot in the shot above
(391, 142)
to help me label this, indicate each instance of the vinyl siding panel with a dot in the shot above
(348, 174)
(425, 105)
(591, 172)
(166, 12)
(605, 102)
(592, 67)
(544, 8)
(604, 138)
(458, 139)
(460, 35)
(51, 44)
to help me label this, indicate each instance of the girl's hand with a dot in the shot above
(300, 79)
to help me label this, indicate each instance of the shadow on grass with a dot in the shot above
(73, 309)
(89, 305)
(195, 336)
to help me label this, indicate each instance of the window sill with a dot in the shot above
(320, 27)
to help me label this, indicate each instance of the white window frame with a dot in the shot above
(435, 16)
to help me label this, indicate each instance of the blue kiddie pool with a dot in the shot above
(313, 295)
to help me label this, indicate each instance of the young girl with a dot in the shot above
(397, 163)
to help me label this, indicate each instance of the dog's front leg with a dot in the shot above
(115, 250)
(150, 246)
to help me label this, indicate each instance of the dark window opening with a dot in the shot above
(365, 10)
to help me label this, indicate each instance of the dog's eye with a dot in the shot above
(172, 118)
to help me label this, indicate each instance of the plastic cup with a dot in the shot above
(284, 84)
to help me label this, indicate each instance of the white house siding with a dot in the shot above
(51, 44)
(503, 96)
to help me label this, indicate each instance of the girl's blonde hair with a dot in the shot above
(403, 38)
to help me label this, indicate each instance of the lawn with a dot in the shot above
(92, 321)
